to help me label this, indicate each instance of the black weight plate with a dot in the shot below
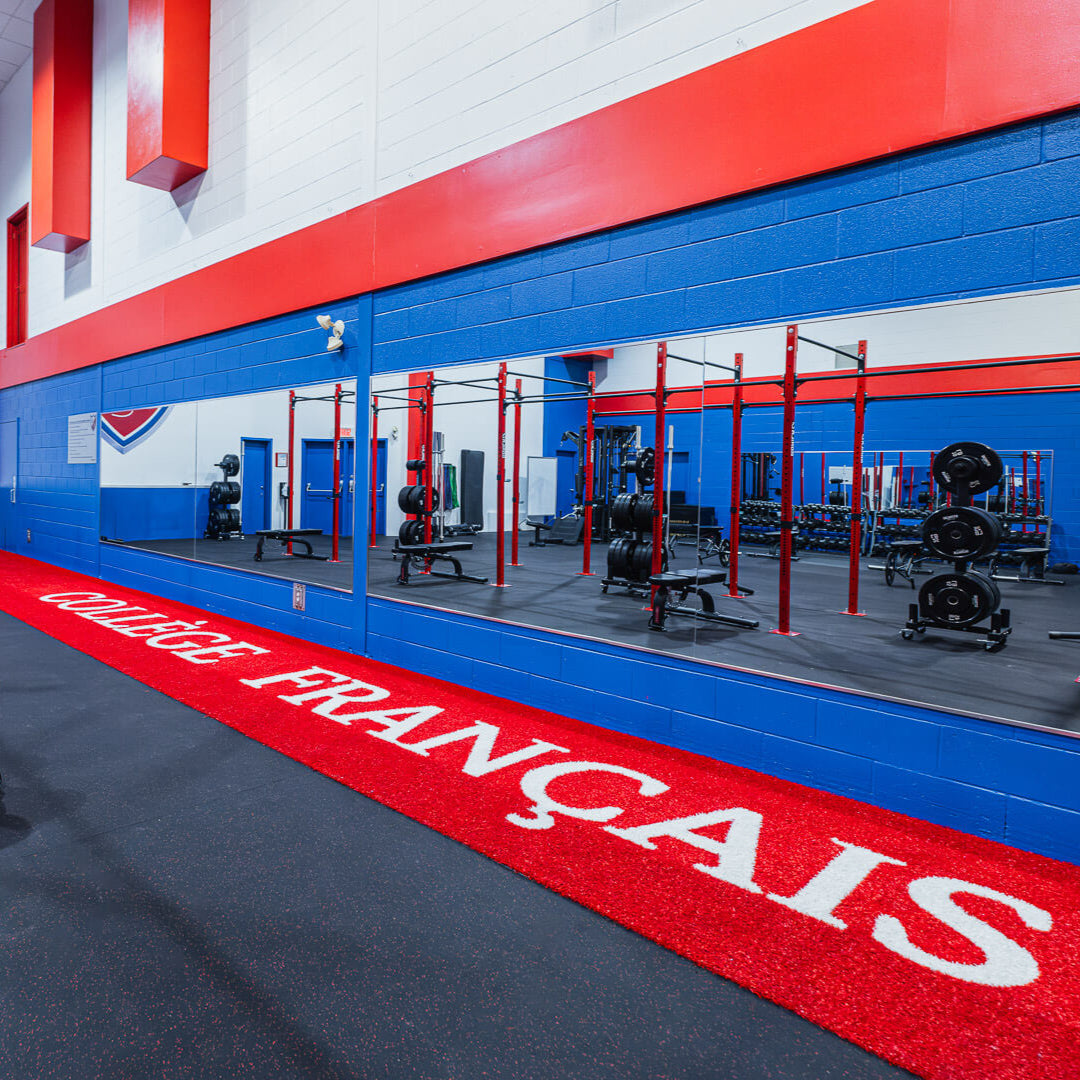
(617, 558)
(622, 511)
(643, 513)
(967, 468)
(233, 517)
(232, 492)
(958, 599)
(961, 532)
(642, 561)
(217, 491)
(411, 532)
(229, 464)
(645, 465)
(411, 499)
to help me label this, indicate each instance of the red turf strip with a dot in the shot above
(916, 993)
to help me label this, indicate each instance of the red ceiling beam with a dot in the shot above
(168, 130)
(61, 117)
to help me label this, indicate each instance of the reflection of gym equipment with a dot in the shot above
(1065, 635)
(223, 521)
(336, 491)
(288, 537)
(962, 599)
(613, 458)
(565, 530)
(678, 585)
(905, 559)
(630, 557)
(423, 555)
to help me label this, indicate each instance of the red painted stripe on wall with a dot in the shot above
(882, 78)
(168, 128)
(61, 125)
(905, 381)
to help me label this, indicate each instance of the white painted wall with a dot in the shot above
(321, 106)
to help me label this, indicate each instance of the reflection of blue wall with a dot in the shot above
(560, 417)
(154, 513)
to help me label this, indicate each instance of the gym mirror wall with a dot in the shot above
(948, 590)
(210, 481)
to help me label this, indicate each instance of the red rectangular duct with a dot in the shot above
(61, 117)
(168, 129)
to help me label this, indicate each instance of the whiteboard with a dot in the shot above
(540, 485)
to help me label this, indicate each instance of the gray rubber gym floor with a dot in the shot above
(179, 901)
(1031, 681)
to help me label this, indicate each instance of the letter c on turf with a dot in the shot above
(534, 784)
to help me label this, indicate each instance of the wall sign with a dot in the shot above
(82, 439)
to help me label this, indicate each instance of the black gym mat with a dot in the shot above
(179, 901)
(471, 493)
(1029, 682)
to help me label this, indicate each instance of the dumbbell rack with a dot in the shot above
(896, 523)
(759, 523)
(824, 526)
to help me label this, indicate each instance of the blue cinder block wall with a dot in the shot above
(995, 213)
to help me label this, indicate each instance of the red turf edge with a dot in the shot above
(933, 1023)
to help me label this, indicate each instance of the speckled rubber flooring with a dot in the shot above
(179, 901)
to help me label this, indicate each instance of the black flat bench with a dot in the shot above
(1032, 569)
(680, 584)
(426, 554)
(289, 536)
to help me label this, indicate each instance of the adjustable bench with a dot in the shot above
(426, 554)
(289, 536)
(680, 584)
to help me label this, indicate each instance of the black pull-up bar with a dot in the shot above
(831, 348)
(701, 363)
(548, 378)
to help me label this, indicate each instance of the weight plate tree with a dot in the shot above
(222, 520)
(962, 533)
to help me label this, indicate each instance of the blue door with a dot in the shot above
(565, 479)
(316, 486)
(380, 487)
(255, 458)
(9, 472)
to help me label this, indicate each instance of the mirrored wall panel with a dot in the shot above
(263, 483)
(909, 547)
